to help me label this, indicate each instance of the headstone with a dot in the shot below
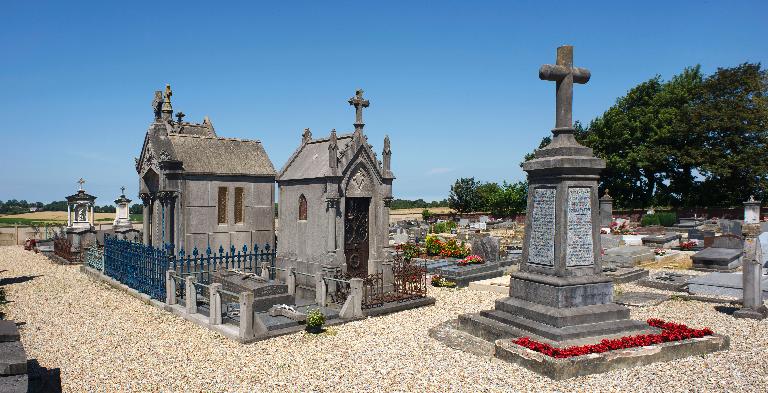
(483, 219)
(560, 262)
(478, 225)
(688, 222)
(486, 247)
(731, 227)
(733, 242)
(122, 214)
(752, 298)
(751, 211)
(701, 237)
(606, 210)
(463, 222)
(632, 240)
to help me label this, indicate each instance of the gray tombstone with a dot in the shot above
(752, 298)
(606, 210)
(731, 227)
(732, 242)
(486, 247)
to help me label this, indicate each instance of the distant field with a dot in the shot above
(42, 218)
(412, 214)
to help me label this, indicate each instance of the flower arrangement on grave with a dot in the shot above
(315, 321)
(660, 252)
(449, 248)
(621, 229)
(471, 260)
(409, 250)
(440, 281)
(687, 246)
(669, 332)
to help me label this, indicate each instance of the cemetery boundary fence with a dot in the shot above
(144, 267)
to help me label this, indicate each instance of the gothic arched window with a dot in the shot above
(302, 208)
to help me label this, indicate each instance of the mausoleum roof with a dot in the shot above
(220, 156)
(310, 161)
(81, 196)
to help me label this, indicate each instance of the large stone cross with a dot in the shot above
(565, 74)
(359, 103)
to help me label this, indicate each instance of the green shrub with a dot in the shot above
(667, 219)
(426, 214)
(649, 220)
(443, 227)
(315, 318)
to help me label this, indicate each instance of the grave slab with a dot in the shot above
(722, 284)
(632, 240)
(628, 256)
(496, 284)
(667, 281)
(623, 275)
(9, 331)
(667, 240)
(463, 275)
(719, 259)
(13, 359)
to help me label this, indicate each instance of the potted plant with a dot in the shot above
(315, 321)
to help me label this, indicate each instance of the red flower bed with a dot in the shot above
(670, 332)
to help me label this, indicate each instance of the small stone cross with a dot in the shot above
(81, 182)
(565, 74)
(122, 190)
(359, 103)
(180, 116)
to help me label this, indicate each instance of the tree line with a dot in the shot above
(14, 206)
(505, 200)
(692, 141)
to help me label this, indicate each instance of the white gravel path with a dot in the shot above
(105, 340)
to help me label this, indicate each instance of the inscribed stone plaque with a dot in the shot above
(541, 250)
(579, 251)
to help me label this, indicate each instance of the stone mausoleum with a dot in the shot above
(199, 189)
(334, 205)
(80, 229)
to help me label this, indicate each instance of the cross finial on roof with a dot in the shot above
(180, 116)
(565, 74)
(306, 136)
(359, 103)
(81, 182)
(122, 190)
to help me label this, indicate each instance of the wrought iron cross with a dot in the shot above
(122, 190)
(180, 116)
(565, 74)
(81, 182)
(359, 103)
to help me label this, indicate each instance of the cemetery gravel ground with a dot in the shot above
(105, 340)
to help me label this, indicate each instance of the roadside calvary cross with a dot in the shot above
(565, 74)
(81, 182)
(359, 103)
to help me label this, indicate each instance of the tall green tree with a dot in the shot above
(464, 197)
(509, 199)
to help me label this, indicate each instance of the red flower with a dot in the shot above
(670, 332)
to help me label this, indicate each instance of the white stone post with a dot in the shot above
(246, 315)
(265, 270)
(290, 280)
(69, 215)
(320, 290)
(215, 302)
(191, 295)
(170, 287)
(353, 307)
(752, 211)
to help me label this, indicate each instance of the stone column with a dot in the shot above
(215, 304)
(332, 204)
(386, 251)
(69, 215)
(606, 210)
(146, 218)
(170, 287)
(752, 211)
(752, 293)
(191, 295)
(246, 315)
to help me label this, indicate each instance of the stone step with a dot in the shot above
(14, 383)
(9, 331)
(562, 317)
(569, 333)
(13, 359)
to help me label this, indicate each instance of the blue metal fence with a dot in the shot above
(143, 267)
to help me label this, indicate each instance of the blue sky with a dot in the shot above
(454, 84)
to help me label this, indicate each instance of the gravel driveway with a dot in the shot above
(105, 340)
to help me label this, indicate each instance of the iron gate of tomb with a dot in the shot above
(356, 236)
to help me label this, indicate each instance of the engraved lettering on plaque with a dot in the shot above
(579, 250)
(541, 247)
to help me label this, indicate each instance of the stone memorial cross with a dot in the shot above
(359, 103)
(565, 74)
(81, 182)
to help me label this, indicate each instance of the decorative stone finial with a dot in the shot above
(333, 148)
(180, 116)
(167, 109)
(306, 136)
(386, 156)
(359, 103)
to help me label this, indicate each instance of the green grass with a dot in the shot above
(5, 221)
(137, 217)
